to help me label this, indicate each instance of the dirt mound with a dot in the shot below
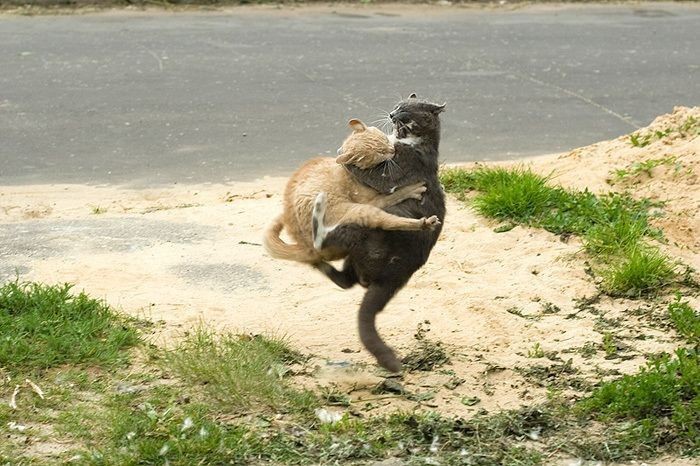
(659, 162)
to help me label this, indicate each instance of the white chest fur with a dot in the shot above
(409, 141)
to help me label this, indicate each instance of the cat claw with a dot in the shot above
(431, 223)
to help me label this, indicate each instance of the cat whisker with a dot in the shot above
(392, 167)
(386, 127)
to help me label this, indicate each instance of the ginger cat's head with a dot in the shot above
(366, 146)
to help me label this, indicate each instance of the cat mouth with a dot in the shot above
(401, 130)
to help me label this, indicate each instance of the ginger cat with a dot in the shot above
(324, 183)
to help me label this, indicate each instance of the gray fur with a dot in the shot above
(384, 261)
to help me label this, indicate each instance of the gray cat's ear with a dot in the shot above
(437, 109)
(356, 125)
(412, 96)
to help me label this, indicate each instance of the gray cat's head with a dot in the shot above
(416, 117)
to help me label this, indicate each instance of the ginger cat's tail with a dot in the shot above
(280, 250)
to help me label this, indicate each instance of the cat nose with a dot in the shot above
(392, 115)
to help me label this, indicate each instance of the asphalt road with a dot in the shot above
(209, 97)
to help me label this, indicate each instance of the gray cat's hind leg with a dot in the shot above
(319, 230)
(346, 278)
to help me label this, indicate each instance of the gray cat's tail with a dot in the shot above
(376, 297)
(281, 250)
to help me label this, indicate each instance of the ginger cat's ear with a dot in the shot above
(357, 125)
(343, 158)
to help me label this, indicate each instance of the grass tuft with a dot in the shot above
(518, 195)
(641, 271)
(618, 236)
(44, 326)
(239, 371)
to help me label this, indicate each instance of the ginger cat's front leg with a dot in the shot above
(412, 191)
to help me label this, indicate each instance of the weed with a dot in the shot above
(609, 345)
(691, 127)
(516, 311)
(555, 375)
(97, 210)
(524, 197)
(535, 352)
(45, 326)
(427, 354)
(239, 371)
(332, 396)
(663, 399)
(685, 320)
(550, 308)
(639, 140)
(646, 166)
(643, 140)
(588, 350)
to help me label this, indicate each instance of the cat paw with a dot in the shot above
(416, 190)
(430, 223)
(418, 193)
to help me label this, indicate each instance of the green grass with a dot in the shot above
(536, 351)
(641, 270)
(643, 140)
(614, 227)
(226, 398)
(621, 235)
(524, 197)
(660, 404)
(689, 128)
(609, 345)
(239, 371)
(685, 320)
(158, 430)
(150, 433)
(645, 167)
(45, 326)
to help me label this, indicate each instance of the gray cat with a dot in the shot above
(384, 261)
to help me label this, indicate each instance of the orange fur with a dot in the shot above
(348, 201)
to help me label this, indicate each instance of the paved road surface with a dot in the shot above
(160, 98)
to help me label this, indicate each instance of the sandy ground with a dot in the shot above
(189, 254)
